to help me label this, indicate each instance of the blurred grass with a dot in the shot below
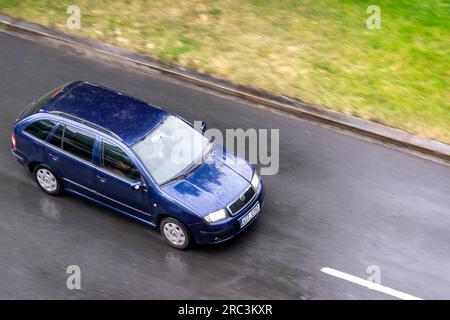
(317, 50)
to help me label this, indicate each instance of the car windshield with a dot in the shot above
(172, 150)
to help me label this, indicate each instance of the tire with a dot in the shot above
(175, 233)
(47, 180)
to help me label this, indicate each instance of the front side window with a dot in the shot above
(78, 142)
(40, 129)
(116, 161)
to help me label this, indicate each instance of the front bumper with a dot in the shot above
(209, 233)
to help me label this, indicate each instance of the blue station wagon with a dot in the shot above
(138, 159)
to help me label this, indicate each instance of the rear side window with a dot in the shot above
(78, 142)
(40, 129)
(56, 138)
(116, 161)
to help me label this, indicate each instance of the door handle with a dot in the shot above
(54, 157)
(101, 179)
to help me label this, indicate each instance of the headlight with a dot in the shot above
(216, 216)
(255, 180)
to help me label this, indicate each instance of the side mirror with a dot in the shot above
(137, 185)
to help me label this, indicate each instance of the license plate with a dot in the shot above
(249, 216)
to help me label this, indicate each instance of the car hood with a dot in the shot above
(214, 184)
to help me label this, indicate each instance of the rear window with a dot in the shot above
(40, 129)
(35, 106)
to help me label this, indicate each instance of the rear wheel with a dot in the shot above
(47, 180)
(175, 233)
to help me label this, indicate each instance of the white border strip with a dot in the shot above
(369, 284)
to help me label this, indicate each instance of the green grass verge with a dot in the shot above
(319, 51)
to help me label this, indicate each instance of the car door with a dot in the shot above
(72, 154)
(115, 182)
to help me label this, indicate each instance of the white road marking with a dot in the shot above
(369, 284)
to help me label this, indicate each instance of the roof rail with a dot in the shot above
(88, 123)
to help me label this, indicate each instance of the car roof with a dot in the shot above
(127, 117)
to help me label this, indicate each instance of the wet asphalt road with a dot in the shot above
(338, 201)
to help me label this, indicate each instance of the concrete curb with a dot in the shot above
(289, 105)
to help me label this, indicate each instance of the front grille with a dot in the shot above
(241, 201)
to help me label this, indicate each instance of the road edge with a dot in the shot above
(289, 105)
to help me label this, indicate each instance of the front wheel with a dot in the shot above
(175, 233)
(47, 180)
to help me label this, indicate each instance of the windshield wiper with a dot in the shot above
(194, 165)
(183, 173)
(174, 178)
